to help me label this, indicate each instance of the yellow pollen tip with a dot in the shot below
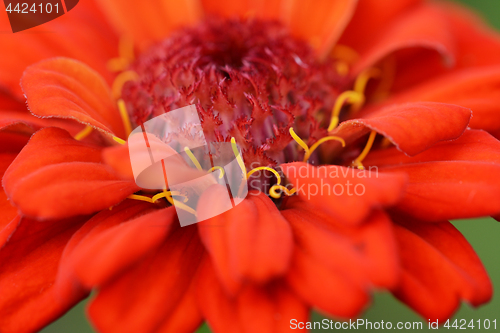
(342, 68)
(120, 141)
(278, 177)
(83, 133)
(238, 157)
(120, 80)
(358, 161)
(218, 168)
(276, 195)
(124, 115)
(192, 158)
(348, 96)
(319, 142)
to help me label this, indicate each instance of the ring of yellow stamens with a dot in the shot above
(276, 195)
(83, 133)
(310, 150)
(358, 161)
(193, 158)
(348, 96)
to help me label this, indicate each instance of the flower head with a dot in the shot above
(355, 127)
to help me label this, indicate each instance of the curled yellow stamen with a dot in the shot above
(348, 96)
(320, 141)
(140, 198)
(222, 172)
(126, 55)
(309, 151)
(120, 80)
(344, 53)
(364, 77)
(166, 193)
(83, 133)
(276, 195)
(120, 141)
(193, 158)
(124, 115)
(238, 157)
(278, 177)
(357, 162)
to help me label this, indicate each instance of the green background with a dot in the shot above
(483, 234)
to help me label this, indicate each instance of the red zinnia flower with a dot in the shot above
(307, 90)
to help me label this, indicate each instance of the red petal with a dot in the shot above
(365, 253)
(24, 122)
(29, 265)
(118, 158)
(242, 242)
(112, 241)
(440, 269)
(66, 88)
(156, 295)
(151, 20)
(473, 145)
(371, 19)
(412, 127)
(83, 35)
(410, 31)
(477, 89)
(55, 176)
(267, 308)
(332, 190)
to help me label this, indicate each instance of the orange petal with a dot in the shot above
(156, 293)
(348, 195)
(320, 22)
(475, 88)
(249, 232)
(118, 158)
(29, 265)
(366, 254)
(83, 35)
(66, 88)
(9, 212)
(412, 127)
(371, 19)
(410, 31)
(55, 176)
(152, 20)
(440, 269)
(266, 9)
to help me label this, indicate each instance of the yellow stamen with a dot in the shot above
(193, 158)
(357, 162)
(83, 133)
(278, 177)
(218, 168)
(125, 55)
(276, 195)
(166, 193)
(140, 198)
(120, 80)
(319, 142)
(120, 141)
(298, 140)
(348, 96)
(124, 115)
(180, 205)
(309, 151)
(364, 77)
(238, 157)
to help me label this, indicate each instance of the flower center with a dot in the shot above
(249, 79)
